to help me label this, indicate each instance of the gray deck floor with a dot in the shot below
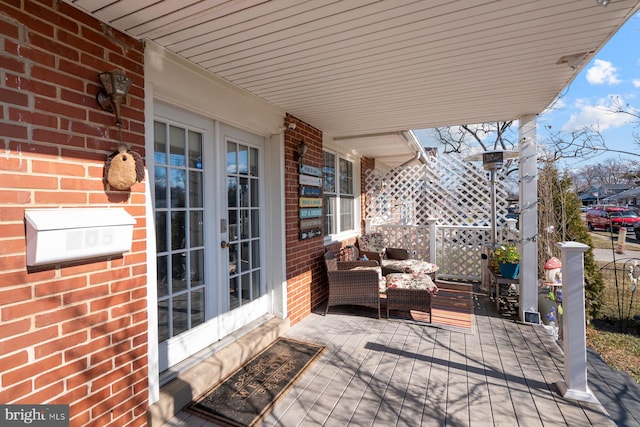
(379, 372)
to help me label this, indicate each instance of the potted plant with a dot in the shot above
(507, 260)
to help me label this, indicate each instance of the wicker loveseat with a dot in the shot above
(353, 282)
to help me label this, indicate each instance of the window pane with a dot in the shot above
(346, 177)
(246, 288)
(180, 310)
(195, 189)
(177, 230)
(232, 190)
(231, 158)
(346, 213)
(178, 188)
(160, 187)
(329, 172)
(178, 277)
(160, 143)
(329, 215)
(255, 223)
(255, 254)
(197, 268)
(177, 146)
(163, 320)
(161, 231)
(197, 307)
(233, 292)
(195, 150)
(255, 202)
(253, 162)
(196, 225)
(244, 192)
(243, 160)
(162, 279)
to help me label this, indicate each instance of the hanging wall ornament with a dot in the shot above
(123, 168)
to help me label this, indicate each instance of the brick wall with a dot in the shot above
(73, 333)
(307, 286)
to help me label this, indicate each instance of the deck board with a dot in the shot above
(399, 372)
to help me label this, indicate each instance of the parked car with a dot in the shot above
(636, 231)
(611, 218)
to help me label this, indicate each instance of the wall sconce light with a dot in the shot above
(301, 150)
(116, 85)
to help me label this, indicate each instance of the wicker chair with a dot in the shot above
(352, 287)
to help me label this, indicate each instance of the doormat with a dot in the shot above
(250, 393)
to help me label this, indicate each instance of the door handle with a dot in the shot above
(224, 245)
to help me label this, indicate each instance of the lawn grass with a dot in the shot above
(620, 351)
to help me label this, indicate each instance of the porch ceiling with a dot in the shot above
(369, 67)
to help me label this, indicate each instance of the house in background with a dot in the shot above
(216, 88)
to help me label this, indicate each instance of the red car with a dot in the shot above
(611, 218)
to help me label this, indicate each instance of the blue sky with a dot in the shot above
(613, 73)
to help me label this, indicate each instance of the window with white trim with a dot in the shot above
(339, 198)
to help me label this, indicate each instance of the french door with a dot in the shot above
(208, 216)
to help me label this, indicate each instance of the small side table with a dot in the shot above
(500, 290)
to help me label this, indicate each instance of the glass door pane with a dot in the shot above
(243, 213)
(180, 228)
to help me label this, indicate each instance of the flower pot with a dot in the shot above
(509, 271)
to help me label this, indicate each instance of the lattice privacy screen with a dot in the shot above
(447, 188)
(456, 193)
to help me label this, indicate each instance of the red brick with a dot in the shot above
(11, 394)
(59, 316)
(51, 45)
(54, 197)
(59, 373)
(16, 328)
(12, 64)
(11, 262)
(17, 311)
(9, 29)
(57, 78)
(15, 360)
(13, 196)
(13, 164)
(13, 131)
(58, 108)
(43, 395)
(15, 295)
(88, 348)
(25, 51)
(112, 378)
(14, 97)
(57, 286)
(85, 322)
(110, 301)
(92, 372)
(34, 118)
(29, 339)
(12, 377)
(29, 181)
(57, 168)
(60, 344)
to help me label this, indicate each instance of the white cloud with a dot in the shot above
(603, 72)
(636, 83)
(599, 117)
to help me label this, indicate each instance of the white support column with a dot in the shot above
(528, 215)
(574, 340)
(433, 239)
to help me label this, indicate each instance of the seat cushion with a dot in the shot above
(372, 242)
(382, 281)
(411, 266)
(411, 281)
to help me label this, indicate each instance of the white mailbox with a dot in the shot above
(56, 235)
